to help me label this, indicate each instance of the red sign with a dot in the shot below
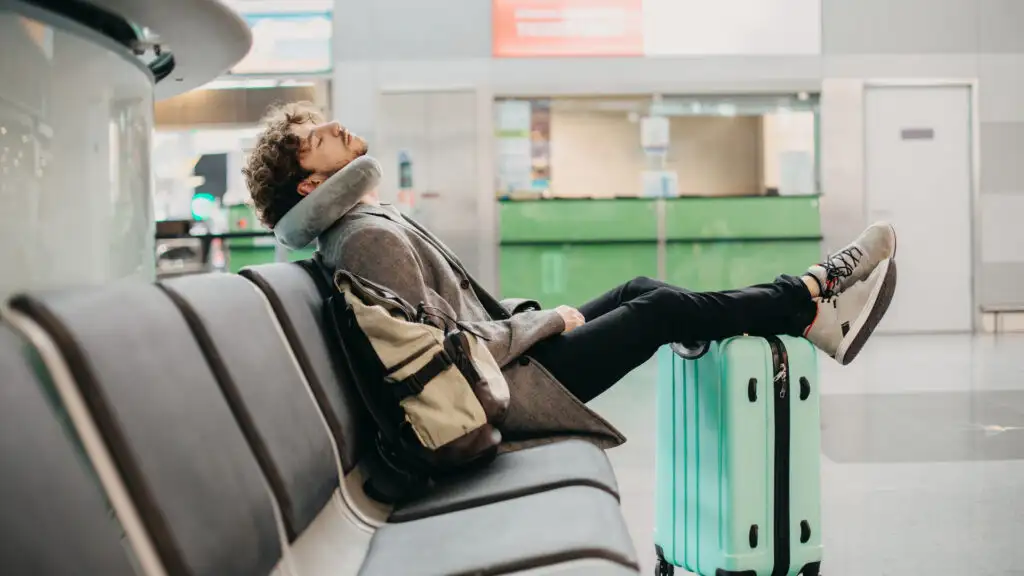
(552, 28)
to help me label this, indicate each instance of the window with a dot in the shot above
(702, 146)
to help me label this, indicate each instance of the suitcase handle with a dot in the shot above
(687, 353)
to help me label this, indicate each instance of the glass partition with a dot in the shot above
(75, 133)
(657, 146)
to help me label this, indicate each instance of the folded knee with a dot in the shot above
(657, 300)
(644, 284)
(663, 294)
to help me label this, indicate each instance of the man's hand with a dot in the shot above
(573, 318)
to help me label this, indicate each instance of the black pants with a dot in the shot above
(627, 325)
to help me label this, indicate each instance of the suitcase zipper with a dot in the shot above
(780, 365)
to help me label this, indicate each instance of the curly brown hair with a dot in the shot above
(272, 171)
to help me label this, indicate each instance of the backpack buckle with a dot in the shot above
(414, 383)
(409, 386)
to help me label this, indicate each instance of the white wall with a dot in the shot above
(842, 161)
(428, 44)
(936, 39)
(699, 27)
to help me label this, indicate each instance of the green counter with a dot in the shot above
(569, 251)
(239, 257)
(242, 252)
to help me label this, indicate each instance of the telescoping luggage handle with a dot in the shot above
(691, 352)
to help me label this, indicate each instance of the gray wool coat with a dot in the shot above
(378, 243)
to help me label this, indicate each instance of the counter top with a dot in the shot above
(506, 199)
(221, 235)
(646, 220)
(206, 37)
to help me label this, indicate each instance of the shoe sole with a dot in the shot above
(865, 324)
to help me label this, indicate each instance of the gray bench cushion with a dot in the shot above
(591, 567)
(184, 460)
(514, 474)
(297, 299)
(540, 529)
(53, 517)
(298, 303)
(267, 391)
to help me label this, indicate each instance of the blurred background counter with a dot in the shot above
(568, 251)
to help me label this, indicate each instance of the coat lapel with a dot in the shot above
(489, 302)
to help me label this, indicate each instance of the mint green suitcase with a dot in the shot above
(738, 459)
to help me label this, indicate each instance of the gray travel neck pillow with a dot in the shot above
(325, 205)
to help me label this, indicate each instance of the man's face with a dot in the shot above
(326, 148)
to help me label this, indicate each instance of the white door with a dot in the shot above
(918, 176)
(449, 203)
(437, 133)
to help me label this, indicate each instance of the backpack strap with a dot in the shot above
(392, 476)
(414, 383)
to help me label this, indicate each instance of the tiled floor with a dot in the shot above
(922, 457)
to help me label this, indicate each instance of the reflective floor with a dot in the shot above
(923, 457)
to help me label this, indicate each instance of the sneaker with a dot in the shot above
(846, 320)
(854, 263)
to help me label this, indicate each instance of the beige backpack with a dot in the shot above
(431, 384)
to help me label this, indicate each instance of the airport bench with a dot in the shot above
(227, 439)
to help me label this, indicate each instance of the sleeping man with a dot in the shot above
(312, 180)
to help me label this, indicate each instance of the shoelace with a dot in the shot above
(838, 266)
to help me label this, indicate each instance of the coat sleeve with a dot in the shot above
(385, 256)
(519, 305)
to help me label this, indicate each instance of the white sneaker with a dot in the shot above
(846, 319)
(856, 261)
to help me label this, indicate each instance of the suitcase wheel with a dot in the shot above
(812, 570)
(662, 568)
